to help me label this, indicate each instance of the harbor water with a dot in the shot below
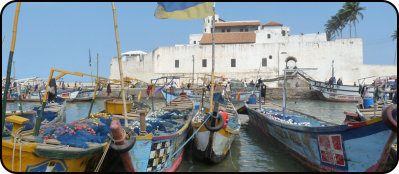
(251, 151)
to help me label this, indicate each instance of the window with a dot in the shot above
(268, 36)
(195, 42)
(205, 30)
(270, 56)
(233, 62)
(264, 62)
(176, 63)
(241, 30)
(228, 30)
(203, 62)
(246, 30)
(223, 30)
(283, 32)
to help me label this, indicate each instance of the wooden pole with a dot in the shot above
(14, 35)
(213, 60)
(120, 64)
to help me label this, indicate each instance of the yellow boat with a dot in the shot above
(212, 143)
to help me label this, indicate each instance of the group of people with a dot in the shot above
(333, 81)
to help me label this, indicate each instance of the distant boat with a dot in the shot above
(338, 93)
(169, 96)
(86, 95)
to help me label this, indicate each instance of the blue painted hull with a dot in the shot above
(352, 148)
(154, 153)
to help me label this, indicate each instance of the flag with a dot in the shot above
(183, 10)
(89, 57)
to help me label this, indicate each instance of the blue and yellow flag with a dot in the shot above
(183, 10)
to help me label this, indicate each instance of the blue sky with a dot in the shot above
(59, 35)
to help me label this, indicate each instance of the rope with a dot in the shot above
(118, 141)
(104, 154)
(16, 137)
(111, 138)
(231, 160)
(190, 137)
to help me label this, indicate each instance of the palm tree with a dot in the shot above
(342, 17)
(394, 37)
(353, 10)
(331, 29)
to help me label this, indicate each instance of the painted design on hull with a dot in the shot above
(48, 166)
(334, 147)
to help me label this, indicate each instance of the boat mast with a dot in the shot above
(213, 60)
(120, 64)
(91, 72)
(14, 35)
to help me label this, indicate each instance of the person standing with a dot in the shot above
(108, 88)
(245, 84)
(228, 89)
(263, 92)
(259, 82)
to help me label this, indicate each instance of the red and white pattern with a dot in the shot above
(331, 150)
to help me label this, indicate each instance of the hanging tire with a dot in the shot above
(216, 127)
(129, 143)
(388, 118)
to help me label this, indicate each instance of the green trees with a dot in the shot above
(349, 14)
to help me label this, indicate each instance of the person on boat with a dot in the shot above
(225, 116)
(245, 84)
(63, 86)
(188, 86)
(339, 82)
(36, 87)
(263, 92)
(354, 84)
(228, 87)
(76, 86)
(259, 82)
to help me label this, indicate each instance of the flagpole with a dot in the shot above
(213, 60)
(120, 64)
(14, 35)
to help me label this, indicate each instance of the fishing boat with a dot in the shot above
(321, 145)
(160, 147)
(213, 141)
(86, 95)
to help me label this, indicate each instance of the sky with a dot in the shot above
(60, 34)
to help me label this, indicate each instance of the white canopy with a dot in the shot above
(137, 52)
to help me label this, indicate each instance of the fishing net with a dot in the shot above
(292, 118)
(161, 123)
(79, 133)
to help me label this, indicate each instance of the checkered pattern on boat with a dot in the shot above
(158, 156)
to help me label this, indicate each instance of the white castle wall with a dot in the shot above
(346, 53)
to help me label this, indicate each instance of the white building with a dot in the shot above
(245, 50)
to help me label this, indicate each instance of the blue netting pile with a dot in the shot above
(162, 122)
(292, 118)
(233, 123)
(79, 133)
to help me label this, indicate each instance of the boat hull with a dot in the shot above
(356, 147)
(337, 93)
(214, 146)
(34, 162)
(154, 153)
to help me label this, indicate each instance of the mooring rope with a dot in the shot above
(16, 137)
(103, 156)
(111, 139)
(190, 137)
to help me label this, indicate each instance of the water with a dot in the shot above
(251, 151)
